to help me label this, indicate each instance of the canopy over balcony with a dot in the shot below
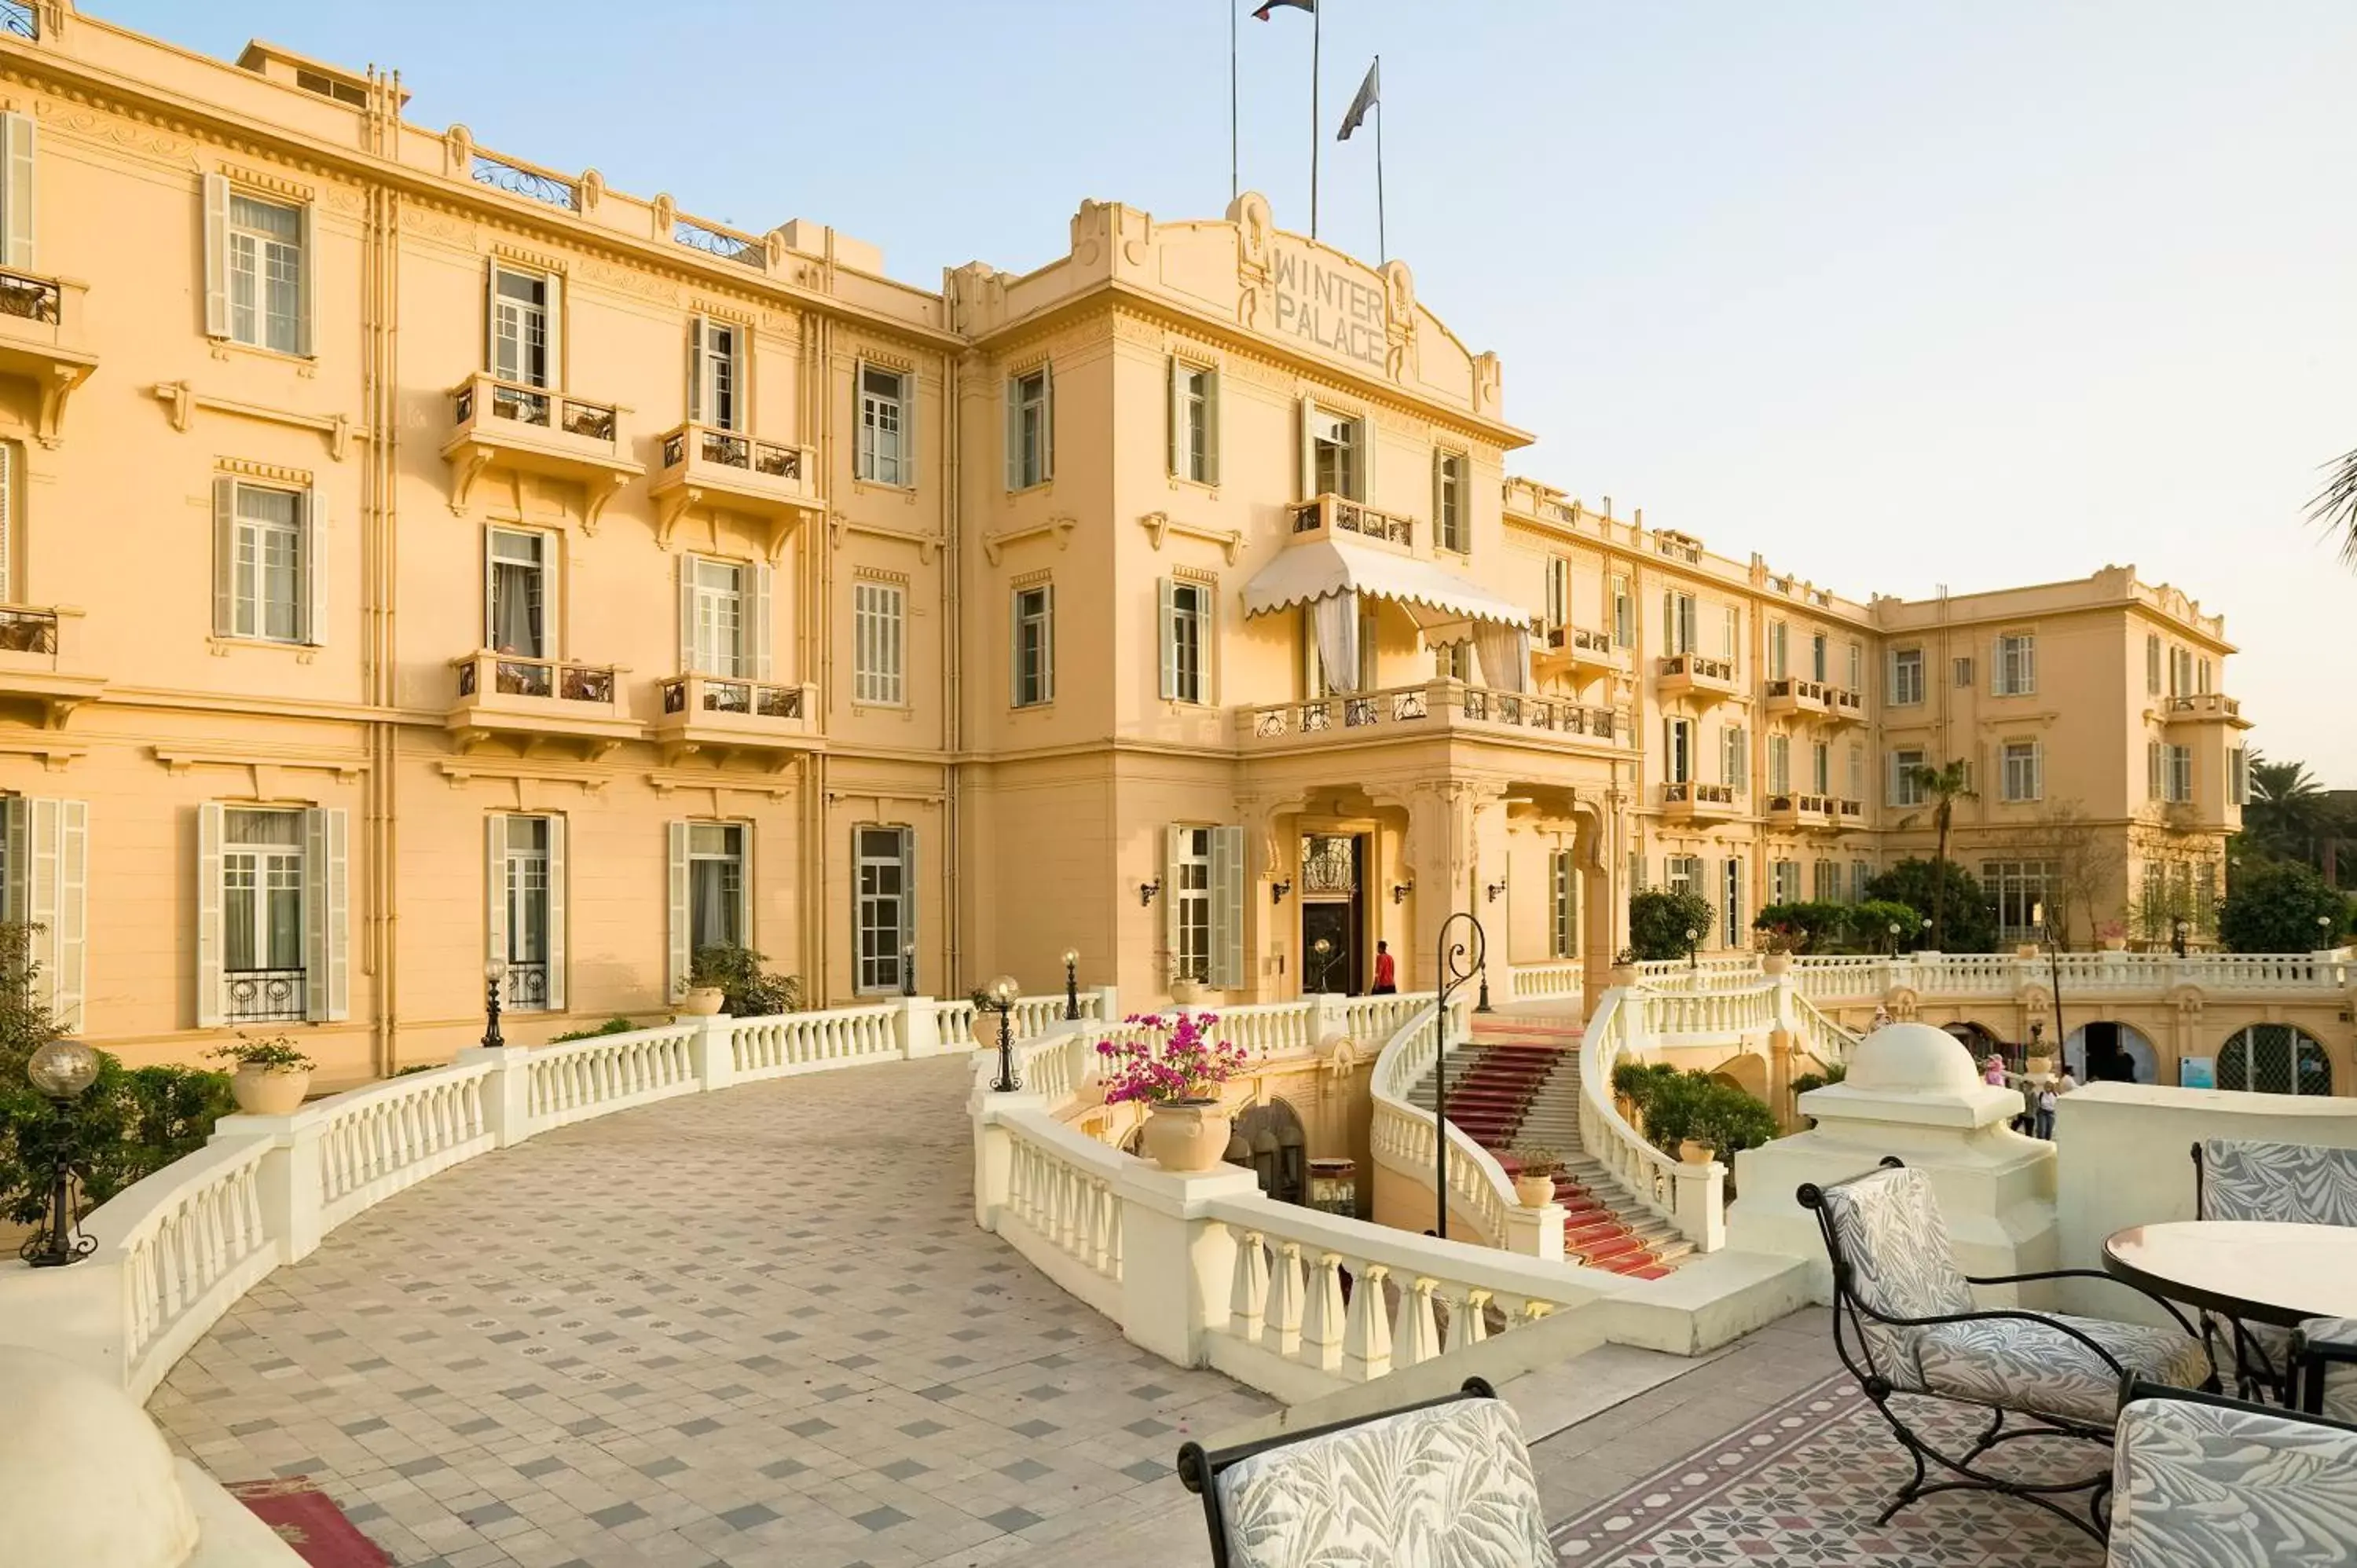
(1443, 605)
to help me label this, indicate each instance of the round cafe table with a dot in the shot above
(2258, 1271)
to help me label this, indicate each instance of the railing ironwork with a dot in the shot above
(263, 995)
(531, 184)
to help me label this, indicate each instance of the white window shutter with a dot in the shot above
(1015, 649)
(58, 900)
(224, 556)
(908, 400)
(678, 930)
(1437, 537)
(326, 912)
(1227, 908)
(1046, 422)
(1014, 434)
(687, 615)
(491, 318)
(495, 888)
(1169, 591)
(762, 584)
(908, 887)
(1048, 643)
(16, 820)
(307, 308)
(1174, 853)
(555, 943)
(555, 334)
(17, 177)
(1178, 420)
(695, 369)
(314, 546)
(2038, 771)
(2152, 770)
(1309, 449)
(1212, 427)
(7, 522)
(2028, 680)
(216, 256)
(208, 913)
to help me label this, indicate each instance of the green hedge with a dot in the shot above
(1677, 1106)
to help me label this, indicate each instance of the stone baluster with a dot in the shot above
(1286, 1301)
(1419, 1325)
(1367, 1328)
(1248, 1293)
(1322, 1315)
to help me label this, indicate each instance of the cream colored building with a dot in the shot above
(423, 555)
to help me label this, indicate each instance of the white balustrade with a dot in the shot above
(374, 1142)
(955, 1021)
(582, 1079)
(187, 1241)
(814, 1042)
(1538, 982)
(1820, 1036)
(1404, 1137)
(1841, 975)
(1864, 978)
(1691, 1197)
(1059, 1186)
(1708, 1013)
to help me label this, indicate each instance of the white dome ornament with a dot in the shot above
(85, 1478)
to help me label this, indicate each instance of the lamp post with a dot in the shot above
(494, 971)
(908, 968)
(1894, 939)
(1071, 983)
(999, 997)
(1451, 970)
(2054, 967)
(1322, 950)
(1693, 937)
(2176, 935)
(2323, 932)
(62, 1071)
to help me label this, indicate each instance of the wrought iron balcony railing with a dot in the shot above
(262, 995)
(512, 675)
(1338, 512)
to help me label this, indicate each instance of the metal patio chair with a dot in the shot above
(2241, 1178)
(1447, 1480)
(1905, 1323)
(2323, 1362)
(2199, 1479)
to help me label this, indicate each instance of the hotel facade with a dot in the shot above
(417, 556)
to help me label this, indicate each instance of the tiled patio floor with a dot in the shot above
(752, 1328)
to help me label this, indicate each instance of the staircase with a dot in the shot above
(1518, 1082)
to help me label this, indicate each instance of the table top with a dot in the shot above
(2261, 1271)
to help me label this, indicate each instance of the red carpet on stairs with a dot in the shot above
(308, 1521)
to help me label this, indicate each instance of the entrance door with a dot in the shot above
(1333, 911)
(1337, 968)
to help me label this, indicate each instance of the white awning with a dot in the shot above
(1433, 598)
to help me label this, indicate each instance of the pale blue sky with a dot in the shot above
(1897, 294)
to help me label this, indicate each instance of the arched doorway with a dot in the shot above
(2109, 1052)
(1268, 1140)
(2275, 1058)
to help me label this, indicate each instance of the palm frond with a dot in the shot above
(2334, 508)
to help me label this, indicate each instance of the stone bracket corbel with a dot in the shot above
(993, 544)
(1160, 524)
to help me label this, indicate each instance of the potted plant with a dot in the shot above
(2114, 935)
(729, 979)
(1623, 972)
(1186, 986)
(1175, 1071)
(1534, 1173)
(1775, 944)
(271, 1076)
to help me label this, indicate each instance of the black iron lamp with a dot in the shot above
(1071, 983)
(999, 996)
(495, 974)
(2176, 935)
(1894, 939)
(1400, 891)
(1694, 940)
(1495, 888)
(2054, 968)
(1148, 891)
(908, 968)
(1277, 890)
(62, 1071)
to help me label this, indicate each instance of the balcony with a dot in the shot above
(1789, 694)
(42, 339)
(534, 430)
(1787, 809)
(533, 703)
(1694, 803)
(1845, 706)
(1439, 710)
(728, 471)
(722, 717)
(2205, 708)
(1848, 815)
(1575, 650)
(37, 672)
(1698, 676)
(1330, 516)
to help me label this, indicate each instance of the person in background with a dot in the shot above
(1993, 1069)
(2066, 1083)
(2044, 1126)
(1386, 970)
(1881, 1016)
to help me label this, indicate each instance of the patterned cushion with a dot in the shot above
(2301, 1183)
(2340, 1377)
(2229, 1489)
(1449, 1485)
(2024, 1365)
(1891, 1235)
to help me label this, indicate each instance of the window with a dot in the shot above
(2017, 887)
(1453, 661)
(887, 426)
(257, 268)
(1678, 622)
(1681, 873)
(1333, 453)
(1820, 657)
(1961, 673)
(1906, 676)
(1558, 592)
(716, 374)
(273, 904)
(2180, 671)
(1821, 768)
(2168, 771)
(2202, 677)
(1563, 905)
(878, 622)
(45, 883)
(523, 336)
(1451, 530)
(2024, 771)
(1730, 634)
(1825, 882)
(1204, 889)
(266, 568)
(1779, 764)
(1624, 615)
(1906, 786)
(1861, 872)
(1636, 871)
(2238, 777)
(885, 913)
(1856, 773)
(1194, 421)
(1030, 429)
(2180, 774)
(1857, 666)
(18, 163)
(1730, 898)
(2275, 1058)
(1034, 652)
(2017, 665)
(1185, 641)
(714, 615)
(1679, 732)
(2152, 663)
(516, 594)
(1784, 877)
(1735, 759)
(716, 886)
(1779, 640)
(526, 910)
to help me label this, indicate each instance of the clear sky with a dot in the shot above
(1897, 294)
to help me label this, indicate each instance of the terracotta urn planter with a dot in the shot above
(270, 1091)
(1622, 974)
(1534, 1191)
(1695, 1154)
(1184, 991)
(702, 1002)
(1186, 1136)
(2115, 944)
(1775, 962)
(2039, 1067)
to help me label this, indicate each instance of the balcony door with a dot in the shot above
(523, 328)
(516, 594)
(1330, 886)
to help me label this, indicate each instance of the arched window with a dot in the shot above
(2275, 1058)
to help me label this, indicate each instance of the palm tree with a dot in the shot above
(2288, 810)
(1945, 785)
(2334, 507)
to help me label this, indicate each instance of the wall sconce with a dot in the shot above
(1497, 887)
(1400, 891)
(1148, 891)
(1277, 890)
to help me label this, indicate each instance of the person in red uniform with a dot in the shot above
(1386, 970)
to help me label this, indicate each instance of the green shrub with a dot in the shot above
(1809, 1080)
(1971, 922)
(1635, 1081)
(1870, 923)
(1659, 921)
(749, 990)
(1677, 1105)
(1814, 927)
(2274, 905)
(617, 1025)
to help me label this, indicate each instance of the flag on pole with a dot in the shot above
(1370, 95)
(1262, 15)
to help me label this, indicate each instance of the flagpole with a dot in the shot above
(1234, 185)
(1317, 121)
(1382, 241)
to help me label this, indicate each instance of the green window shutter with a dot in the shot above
(1308, 433)
(1227, 908)
(763, 584)
(18, 168)
(908, 887)
(216, 256)
(1174, 855)
(1014, 434)
(224, 556)
(1211, 427)
(687, 615)
(209, 912)
(495, 888)
(1169, 588)
(695, 369)
(678, 930)
(556, 945)
(312, 540)
(327, 909)
(306, 308)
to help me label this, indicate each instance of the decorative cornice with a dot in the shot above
(1160, 523)
(180, 399)
(994, 543)
(840, 525)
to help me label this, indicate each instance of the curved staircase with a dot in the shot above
(1517, 1082)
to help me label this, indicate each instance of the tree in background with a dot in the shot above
(2280, 905)
(2083, 867)
(1944, 786)
(1659, 920)
(1971, 924)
